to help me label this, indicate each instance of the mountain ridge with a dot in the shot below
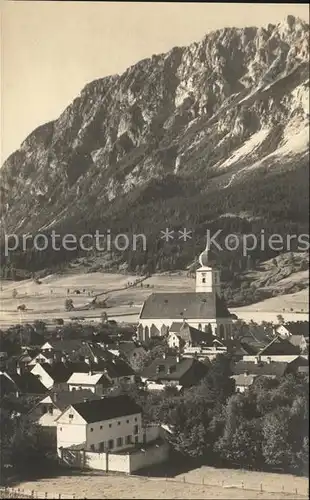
(212, 120)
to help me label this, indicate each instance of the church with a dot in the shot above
(203, 309)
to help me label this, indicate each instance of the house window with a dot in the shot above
(136, 420)
(101, 427)
(127, 421)
(60, 428)
(110, 425)
(111, 444)
(119, 442)
(136, 429)
(92, 447)
(101, 446)
(128, 439)
(203, 280)
(44, 410)
(118, 423)
(50, 410)
(91, 429)
(136, 439)
(71, 415)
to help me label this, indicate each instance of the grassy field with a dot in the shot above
(218, 484)
(46, 301)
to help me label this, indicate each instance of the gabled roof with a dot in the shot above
(89, 379)
(298, 328)
(188, 305)
(115, 367)
(275, 368)
(65, 346)
(169, 368)
(64, 399)
(279, 346)
(190, 334)
(107, 408)
(253, 343)
(27, 383)
(59, 372)
(7, 385)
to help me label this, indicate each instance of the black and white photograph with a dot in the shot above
(154, 250)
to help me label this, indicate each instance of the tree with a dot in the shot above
(40, 326)
(275, 445)
(280, 319)
(69, 305)
(217, 383)
(243, 444)
(104, 317)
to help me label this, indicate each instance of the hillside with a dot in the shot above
(214, 135)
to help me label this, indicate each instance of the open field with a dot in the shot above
(46, 300)
(218, 484)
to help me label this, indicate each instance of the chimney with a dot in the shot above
(164, 355)
(178, 358)
(257, 360)
(268, 360)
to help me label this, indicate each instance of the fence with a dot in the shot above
(20, 493)
(292, 493)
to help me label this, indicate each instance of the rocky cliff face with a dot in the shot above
(205, 117)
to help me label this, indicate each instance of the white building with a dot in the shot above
(110, 423)
(97, 383)
(203, 309)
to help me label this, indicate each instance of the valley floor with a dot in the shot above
(46, 301)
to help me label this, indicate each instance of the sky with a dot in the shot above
(50, 50)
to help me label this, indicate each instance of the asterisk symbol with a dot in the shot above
(167, 235)
(185, 234)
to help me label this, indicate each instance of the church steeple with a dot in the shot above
(207, 278)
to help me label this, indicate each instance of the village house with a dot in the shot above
(194, 342)
(57, 374)
(20, 384)
(53, 374)
(110, 423)
(176, 371)
(297, 333)
(203, 309)
(133, 352)
(245, 373)
(278, 349)
(109, 435)
(52, 405)
(96, 383)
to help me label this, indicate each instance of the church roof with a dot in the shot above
(189, 305)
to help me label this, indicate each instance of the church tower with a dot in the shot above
(207, 279)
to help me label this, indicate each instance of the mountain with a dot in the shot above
(213, 135)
